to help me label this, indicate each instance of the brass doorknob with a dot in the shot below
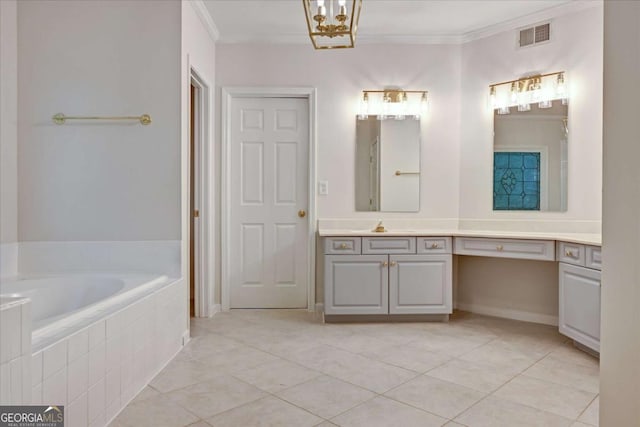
(302, 213)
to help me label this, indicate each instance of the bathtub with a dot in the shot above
(61, 304)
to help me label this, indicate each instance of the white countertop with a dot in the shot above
(579, 238)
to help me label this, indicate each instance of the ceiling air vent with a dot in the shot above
(534, 35)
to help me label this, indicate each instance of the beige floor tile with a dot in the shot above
(453, 424)
(566, 373)
(494, 412)
(370, 374)
(450, 345)
(546, 396)
(383, 412)
(326, 396)
(570, 354)
(157, 411)
(579, 424)
(591, 415)
(412, 358)
(200, 423)
(326, 424)
(267, 412)
(218, 395)
(236, 360)
(146, 393)
(436, 396)
(483, 378)
(202, 346)
(320, 356)
(181, 374)
(276, 376)
(496, 354)
(358, 343)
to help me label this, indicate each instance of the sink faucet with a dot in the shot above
(379, 228)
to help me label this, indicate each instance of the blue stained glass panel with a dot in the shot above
(516, 181)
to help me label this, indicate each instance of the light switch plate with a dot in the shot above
(323, 188)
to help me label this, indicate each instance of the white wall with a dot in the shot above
(340, 76)
(198, 54)
(8, 139)
(83, 181)
(620, 344)
(8, 122)
(576, 47)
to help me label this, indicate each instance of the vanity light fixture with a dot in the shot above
(334, 28)
(539, 89)
(392, 103)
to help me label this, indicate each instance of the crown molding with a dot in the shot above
(204, 15)
(543, 15)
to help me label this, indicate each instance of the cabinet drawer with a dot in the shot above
(434, 245)
(543, 250)
(342, 245)
(594, 257)
(388, 245)
(571, 253)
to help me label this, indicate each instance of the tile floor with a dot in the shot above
(283, 368)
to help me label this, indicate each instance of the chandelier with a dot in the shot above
(334, 25)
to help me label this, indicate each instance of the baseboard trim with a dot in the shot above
(507, 313)
(318, 313)
(215, 308)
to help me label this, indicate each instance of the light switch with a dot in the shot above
(323, 188)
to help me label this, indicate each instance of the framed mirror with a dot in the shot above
(387, 165)
(530, 158)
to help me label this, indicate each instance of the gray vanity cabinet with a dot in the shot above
(580, 294)
(356, 284)
(389, 277)
(420, 284)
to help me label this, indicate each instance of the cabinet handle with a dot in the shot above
(343, 246)
(569, 253)
(385, 263)
(392, 263)
(434, 246)
(499, 248)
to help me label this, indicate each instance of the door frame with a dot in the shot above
(202, 230)
(227, 96)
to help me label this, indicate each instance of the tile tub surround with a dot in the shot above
(96, 371)
(15, 351)
(282, 368)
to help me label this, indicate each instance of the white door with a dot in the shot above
(269, 185)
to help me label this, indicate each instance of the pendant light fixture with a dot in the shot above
(332, 24)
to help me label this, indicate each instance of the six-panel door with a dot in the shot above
(420, 284)
(356, 284)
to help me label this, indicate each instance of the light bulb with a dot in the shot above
(424, 104)
(536, 89)
(342, 3)
(364, 107)
(561, 88)
(492, 97)
(514, 93)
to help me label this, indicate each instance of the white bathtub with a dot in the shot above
(63, 302)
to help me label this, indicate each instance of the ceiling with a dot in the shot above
(403, 21)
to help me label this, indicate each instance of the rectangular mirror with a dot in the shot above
(388, 165)
(530, 151)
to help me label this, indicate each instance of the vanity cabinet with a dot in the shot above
(388, 277)
(580, 283)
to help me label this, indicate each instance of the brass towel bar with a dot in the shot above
(398, 173)
(60, 118)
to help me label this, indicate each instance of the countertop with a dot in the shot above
(579, 238)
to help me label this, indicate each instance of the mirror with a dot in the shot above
(388, 165)
(530, 151)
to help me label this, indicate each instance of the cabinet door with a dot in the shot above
(420, 284)
(356, 284)
(580, 304)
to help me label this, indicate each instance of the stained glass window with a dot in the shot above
(516, 181)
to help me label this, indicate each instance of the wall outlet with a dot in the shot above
(323, 188)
